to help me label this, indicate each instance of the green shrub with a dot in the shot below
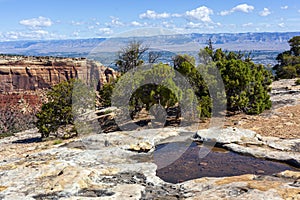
(3, 135)
(65, 100)
(105, 94)
(58, 110)
(289, 61)
(56, 142)
(246, 84)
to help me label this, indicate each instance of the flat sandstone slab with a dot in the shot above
(105, 167)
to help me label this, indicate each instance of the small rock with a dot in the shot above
(260, 171)
(288, 123)
(141, 147)
(106, 143)
(203, 163)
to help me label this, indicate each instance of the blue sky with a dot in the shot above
(61, 19)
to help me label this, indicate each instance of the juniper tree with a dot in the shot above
(289, 61)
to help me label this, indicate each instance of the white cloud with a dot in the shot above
(91, 27)
(23, 35)
(202, 26)
(241, 8)
(194, 25)
(264, 12)
(218, 24)
(225, 12)
(135, 23)
(41, 32)
(168, 24)
(281, 25)
(37, 22)
(176, 15)
(284, 7)
(115, 22)
(247, 24)
(150, 14)
(106, 31)
(76, 33)
(76, 23)
(11, 35)
(201, 13)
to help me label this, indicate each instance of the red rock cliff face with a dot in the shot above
(24, 80)
(19, 73)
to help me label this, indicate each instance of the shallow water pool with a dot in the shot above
(218, 163)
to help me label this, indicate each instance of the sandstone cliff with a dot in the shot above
(22, 73)
(24, 80)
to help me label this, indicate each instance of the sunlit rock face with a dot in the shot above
(103, 166)
(24, 81)
(22, 73)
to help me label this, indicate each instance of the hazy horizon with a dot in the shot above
(55, 20)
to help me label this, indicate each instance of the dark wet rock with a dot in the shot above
(51, 196)
(94, 193)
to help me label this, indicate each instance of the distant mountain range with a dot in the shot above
(229, 41)
(256, 42)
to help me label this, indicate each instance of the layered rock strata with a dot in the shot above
(104, 166)
(25, 79)
(22, 73)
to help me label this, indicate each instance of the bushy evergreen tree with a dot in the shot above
(289, 61)
(105, 93)
(246, 84)
(58, 110)
(186, 65)
(246, 87)
(148, 86)
(65, 100)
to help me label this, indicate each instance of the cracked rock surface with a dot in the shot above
(103, 166)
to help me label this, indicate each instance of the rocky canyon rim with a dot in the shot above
(66, 170)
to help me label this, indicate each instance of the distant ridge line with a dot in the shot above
(273, 41)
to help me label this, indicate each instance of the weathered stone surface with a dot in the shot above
(88, 168)
(22, 73)
(285, 92)
(290, 157)
(23, 80)
(249, 143)
(141, 147)
(242, 187)
(228, 135)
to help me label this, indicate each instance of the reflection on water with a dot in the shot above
(218, 163)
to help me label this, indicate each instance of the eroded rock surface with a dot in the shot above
(25, 73)
(249, 143)
(102, 166)
(24, 80)
(285, 92)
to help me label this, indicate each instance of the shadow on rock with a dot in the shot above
(28, 140)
